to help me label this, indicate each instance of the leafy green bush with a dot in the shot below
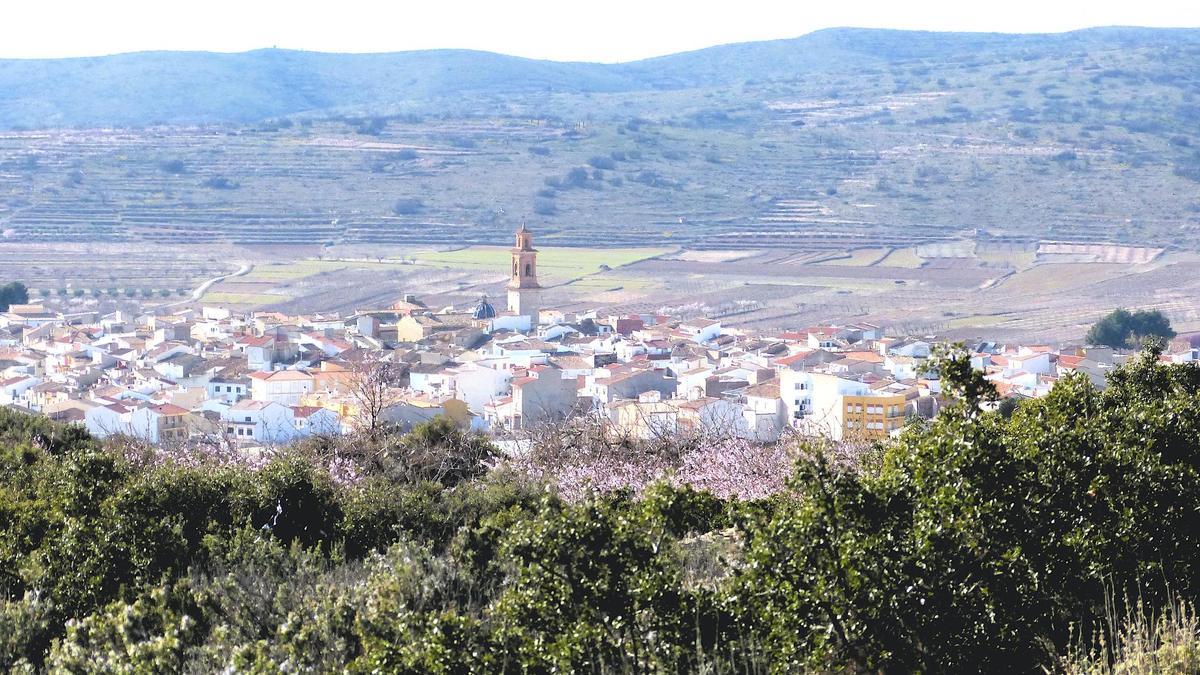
(977, 542)
(1122, 328)
(13, 293)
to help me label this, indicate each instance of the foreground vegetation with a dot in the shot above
(980, 541)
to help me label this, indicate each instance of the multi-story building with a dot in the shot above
(281, 386)
(846, 409)
(870, 416)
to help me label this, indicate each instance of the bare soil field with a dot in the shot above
(770, 289)
(948, 277)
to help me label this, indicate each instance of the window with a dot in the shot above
(247, 418)
(528, 270)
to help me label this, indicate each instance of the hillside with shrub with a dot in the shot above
(834, 140)
(979, 541)
(150, 88)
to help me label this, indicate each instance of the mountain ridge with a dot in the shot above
(140, 89)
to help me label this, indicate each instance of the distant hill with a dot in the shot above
(152, 88)
(839, 139)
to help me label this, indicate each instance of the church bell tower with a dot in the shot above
(524, 291)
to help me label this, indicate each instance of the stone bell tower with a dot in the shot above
(524, 291)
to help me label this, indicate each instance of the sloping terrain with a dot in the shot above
(149, 88)
(838, 140)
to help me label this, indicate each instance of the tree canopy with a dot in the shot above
(1122, 328)
(977, 542)
(13, 293)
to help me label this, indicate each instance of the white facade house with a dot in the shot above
(903, 367)
(826, 414)
(795, 390)
(106, 420)
(267, 422)
(518, 323)
(12, 389)
(481, 382)
(314, 421)
(286, 387)
(158, 424)
(701, 330)
(229, 390)
(766, 415)
(154, 423)
(1037, 363)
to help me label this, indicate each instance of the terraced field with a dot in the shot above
(555, 265)
(901, 155)
(108, 269)
(998, 292)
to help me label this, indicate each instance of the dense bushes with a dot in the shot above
(408, 206)
(977, 542)
(1122, 328)
(13, 293)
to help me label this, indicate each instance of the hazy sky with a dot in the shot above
(600, 30)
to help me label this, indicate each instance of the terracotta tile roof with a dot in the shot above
(251, 341)
(169, 409)
(306, 410)
(869, 357)
(1068, 361)
(764, 390)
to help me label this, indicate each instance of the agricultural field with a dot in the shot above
(1002, 192)
(993, 291)
(902, 257)
(555, 265)
(109, 269)
(861, 257)
(222, 298)
(455, 275)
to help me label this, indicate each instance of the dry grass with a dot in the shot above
(902, 257)
(605, 282)
(1017, 259)
(978, 321)
(860, 257)
(1142, 642)
(554, 264)
(254, 299)
(712, 256)
(948, 249)
(1051, 278)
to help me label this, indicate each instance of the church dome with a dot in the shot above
(484, 309)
